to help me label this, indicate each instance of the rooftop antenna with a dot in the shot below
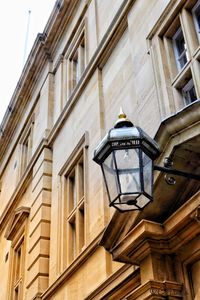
(27, 36)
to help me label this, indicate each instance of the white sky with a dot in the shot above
(13, 29)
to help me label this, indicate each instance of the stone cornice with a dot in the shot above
(169, 237)
(157, 290)
(177, 123)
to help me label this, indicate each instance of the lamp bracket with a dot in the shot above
(169, 170)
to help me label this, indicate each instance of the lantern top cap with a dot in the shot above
(121, 114)
(122, 121)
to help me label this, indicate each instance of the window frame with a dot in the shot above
(76, 59)
(75, 228)
(16, 232)
(17, 280)
(26, 145)
(68, 215)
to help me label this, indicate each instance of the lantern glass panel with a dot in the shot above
(142, 201)
(125, 207)
(127, 161)
(110, 174)
(147, 174)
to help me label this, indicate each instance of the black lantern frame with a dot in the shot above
(126, 156)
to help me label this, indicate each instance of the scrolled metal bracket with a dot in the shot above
(167, 169)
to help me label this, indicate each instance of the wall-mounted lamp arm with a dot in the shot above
(177, 172)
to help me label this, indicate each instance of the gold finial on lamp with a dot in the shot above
(122, 120)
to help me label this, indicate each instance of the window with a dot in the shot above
(72, 205)
(76, 59)
(74, 196)
(26, 147)
(16, 232)
(196, 16)
(175, 53)
(180, 49)
(26, 150)
(189, 93)
(18, 264)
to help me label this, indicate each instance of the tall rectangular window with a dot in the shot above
(26, 147)
(75, 197)
(76, 60)
(18, 255)
(16, 233)
(26, 150)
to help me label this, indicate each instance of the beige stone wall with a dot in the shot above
(119, 72)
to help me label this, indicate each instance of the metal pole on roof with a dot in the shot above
(27, 36)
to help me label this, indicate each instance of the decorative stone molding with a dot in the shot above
(151, 237)
(16, 222)
(157, 290)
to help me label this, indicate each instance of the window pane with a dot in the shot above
(189, 92)
(72, 239)
(77, 62)
(196, 15)
(16, 293)
(18, 263)
(180, 43)
(180, 49)
(81, 227)
(72, 191)
(80, 180)
(75, 69)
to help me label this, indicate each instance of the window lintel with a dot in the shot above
(16, 222)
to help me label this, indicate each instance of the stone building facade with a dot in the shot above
(58, 237)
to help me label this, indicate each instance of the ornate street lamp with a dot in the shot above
(126, 155)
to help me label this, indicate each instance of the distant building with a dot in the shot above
(58, 237)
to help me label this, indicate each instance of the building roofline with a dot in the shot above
(41, 51)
